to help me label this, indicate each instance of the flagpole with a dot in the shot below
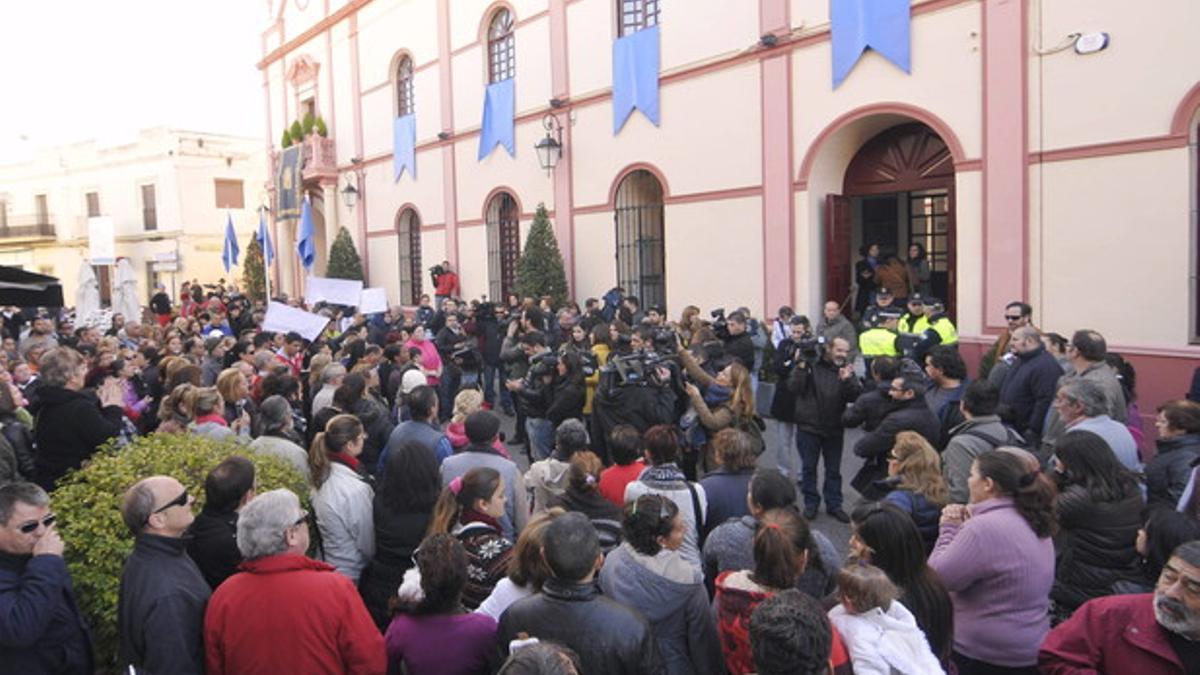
(262, 232)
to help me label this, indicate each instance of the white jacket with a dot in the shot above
(884, 643)
(346, 520)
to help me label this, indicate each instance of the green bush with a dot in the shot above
(286, 141)
(88, 506)
(320, 128)
(297, 132)
(307, 124)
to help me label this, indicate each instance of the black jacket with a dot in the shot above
(160, 614)
(70, 426)
(43, 630)
(911, 415)
(397, 536)
(566, 401)
(870, 408)
(783, 404)
(821, 397)
(1095, 547)
(1029, 389)
(1168, 473)
(609, 638)
(21, 439)
(213, 545)
(741, 347)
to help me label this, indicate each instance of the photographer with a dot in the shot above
(445, 282)
(527, 382)
(783, 405)
(824, 383)
(551, 392)
(738, 341)
(721, 402)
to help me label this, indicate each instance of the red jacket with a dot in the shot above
(290, 614)
(447, 284)
(1114, 634)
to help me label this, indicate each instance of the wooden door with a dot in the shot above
(838, 226)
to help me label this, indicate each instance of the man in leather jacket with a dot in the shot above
(611, 639)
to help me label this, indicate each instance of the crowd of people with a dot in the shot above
(643, 518)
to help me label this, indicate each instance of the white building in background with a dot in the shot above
(167, 194)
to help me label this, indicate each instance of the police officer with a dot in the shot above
(881, 339)
(915, 320)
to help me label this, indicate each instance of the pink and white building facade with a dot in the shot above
(1031, 168)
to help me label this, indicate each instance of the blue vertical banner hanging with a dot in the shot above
(404, 146)
(288, 183)
(306, 247)
(882, 25)
(264, 240)
(499, 106)
(635, 62)
(230, 250)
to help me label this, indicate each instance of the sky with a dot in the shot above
(102, 69)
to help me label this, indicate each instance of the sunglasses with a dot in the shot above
(304, 518)
(32, 526)
(181, 500)
(1012, 318)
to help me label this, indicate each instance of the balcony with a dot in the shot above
(319, 160)
(37, 226)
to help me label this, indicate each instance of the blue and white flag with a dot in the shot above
(306, 246)
(499, 106)
(635, 62)
(264, 240)
(230, 251)
(404, 146)
(882, 25)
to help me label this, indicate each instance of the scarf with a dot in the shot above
(212, 417)
(343, 458)
(663, 473)
(472, 516)
(716, 395)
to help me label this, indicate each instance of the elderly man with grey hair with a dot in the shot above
(261, 620)
(1082, 405)
(547, 478)
(41, 628)
(331, 379)
(160, 613)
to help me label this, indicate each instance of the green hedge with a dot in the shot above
(88, 506)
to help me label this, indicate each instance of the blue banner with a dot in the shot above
(306, 246)
(288, 183)
(404, 146)
(499, 106)
(230, 250)
(635, 61)
(856, 25)
(264, 240)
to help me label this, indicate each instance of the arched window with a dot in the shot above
(502, 46)
(641, 258)
(408, 225)
(504, 245)
(404, 87)
(634, 15)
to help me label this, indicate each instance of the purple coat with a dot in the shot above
(999, 575)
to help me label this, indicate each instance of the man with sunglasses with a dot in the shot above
(41, 628)
(1017, 314)
(163, 594)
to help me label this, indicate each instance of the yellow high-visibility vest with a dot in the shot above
(909, 323)
(878, 342)
(945, 330)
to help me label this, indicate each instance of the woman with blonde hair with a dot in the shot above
(455, 439)
(341, 499)
(175, 412)
(235, 389)
(917, 486)
(722, 402)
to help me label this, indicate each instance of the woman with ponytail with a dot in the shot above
(470, 508)
(996, 558)
(780, 556)
(341, 499)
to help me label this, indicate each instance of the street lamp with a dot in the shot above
(349, 194)
(549, 149)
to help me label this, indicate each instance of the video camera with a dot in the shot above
(543, 364)
(720, 325)
(635, 370)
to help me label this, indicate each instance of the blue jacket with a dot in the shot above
(1029, 389)
(924, 513)
(41, 628)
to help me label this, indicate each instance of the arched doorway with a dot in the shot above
(641, 257)
(503, 219)
(408, 229)
(897, 190)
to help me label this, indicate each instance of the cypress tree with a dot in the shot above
(253, 280)
(344, 262)
(540, 270)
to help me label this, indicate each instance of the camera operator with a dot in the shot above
(740, 343)
(824, 383)
(445, 282)
(551, 391)
(783, 405)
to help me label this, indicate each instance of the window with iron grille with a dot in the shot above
(502, 46)
(504, 245)
(404, 87)
(409, 227)
(149, 210)
(634, 15)
(641, 256)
